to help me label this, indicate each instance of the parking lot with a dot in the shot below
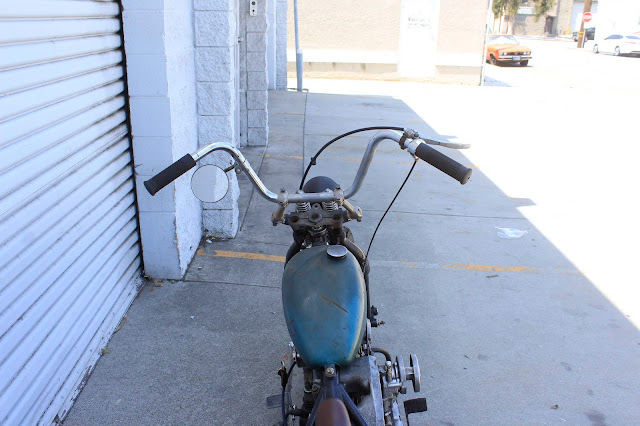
(560, 64)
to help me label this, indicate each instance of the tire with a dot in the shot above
(595, 49)
(616, 51)
(524, 63)
(493, 60)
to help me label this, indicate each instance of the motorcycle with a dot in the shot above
(325, 287)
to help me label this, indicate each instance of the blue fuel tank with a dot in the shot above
(324, 297)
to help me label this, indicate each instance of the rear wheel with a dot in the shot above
(616, 51)
(524, 63)
(595, 48)
(493, 60)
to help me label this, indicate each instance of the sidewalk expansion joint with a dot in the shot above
(186, 281)
(252, 190)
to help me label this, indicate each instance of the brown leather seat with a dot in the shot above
(332, 412)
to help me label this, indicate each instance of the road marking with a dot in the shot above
(492, 268)
(297, 157)
(406, 264)
(243, 255)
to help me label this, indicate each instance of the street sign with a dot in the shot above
(586, 17)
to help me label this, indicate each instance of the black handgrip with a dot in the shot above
(443, 163)
(169, 174)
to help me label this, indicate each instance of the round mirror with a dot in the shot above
(210, 184)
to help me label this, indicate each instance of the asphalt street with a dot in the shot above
(560, 64)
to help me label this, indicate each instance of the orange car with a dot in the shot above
(503, 48)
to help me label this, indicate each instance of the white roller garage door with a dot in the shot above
(69, 250)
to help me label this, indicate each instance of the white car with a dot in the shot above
(618, 44)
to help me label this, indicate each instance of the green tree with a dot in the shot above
(502, 8)
(541, 7)
(498, 8)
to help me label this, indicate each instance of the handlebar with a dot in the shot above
(169, 174)
(407, 140)
(443, 163)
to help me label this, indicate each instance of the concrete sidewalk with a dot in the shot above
(507, 331)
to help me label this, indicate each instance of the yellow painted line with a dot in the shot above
(410, 264)
(567, 271)
(243, 255)
(297, 157)
(492, 268)
(406, 264)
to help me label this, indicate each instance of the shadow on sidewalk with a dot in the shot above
(507, 331)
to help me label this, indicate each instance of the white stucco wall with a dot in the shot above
(257, 77)
(198, 73)
(160, 71)
(217, 97)
(271, 44)
(281, 44)
(391, 39)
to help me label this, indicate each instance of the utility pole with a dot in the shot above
(581, 34)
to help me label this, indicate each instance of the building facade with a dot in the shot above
(95, 98)
(557, 21)
(563, 19)
(617, 17)
(430, 40)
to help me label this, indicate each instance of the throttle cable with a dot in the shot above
(312, 162)
(390, 204)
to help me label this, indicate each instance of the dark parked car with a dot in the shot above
(590, 34)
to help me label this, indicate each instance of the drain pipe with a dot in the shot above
(298, 50)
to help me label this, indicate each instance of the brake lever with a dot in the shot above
(452, 145)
